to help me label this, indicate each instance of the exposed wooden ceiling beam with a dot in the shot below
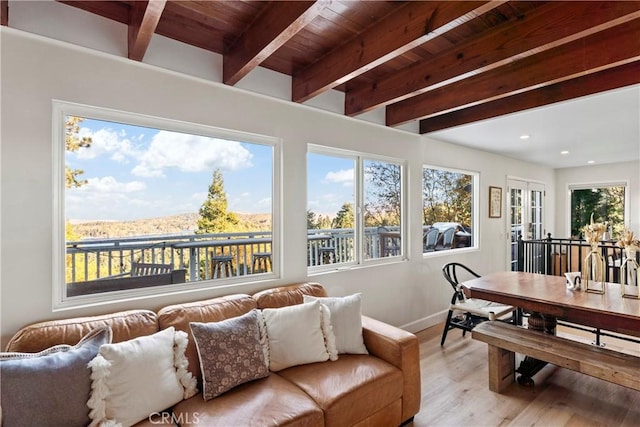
(546, 27)
(274, 27)
(4, 12)
(606, 49)
(198, 8)
(142, 24)
(411, 25)
(118, 11)
(612, 78)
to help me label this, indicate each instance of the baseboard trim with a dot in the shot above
(425, 322)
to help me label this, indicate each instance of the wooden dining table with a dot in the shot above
(550, 296)
(548, 299)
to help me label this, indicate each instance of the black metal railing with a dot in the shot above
(556, 256)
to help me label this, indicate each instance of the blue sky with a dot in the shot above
(135, 172)
(330, 183)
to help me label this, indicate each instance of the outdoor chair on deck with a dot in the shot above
(446, 239)
(470, 311)
(430, 239)
(221, 265)
(261, 262)
(389, 246)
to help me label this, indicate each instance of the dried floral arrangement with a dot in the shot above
(594, 231)
(628, 240)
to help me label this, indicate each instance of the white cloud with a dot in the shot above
(327, 204)
(190, 153)
(107, 142)
(109, 184)
(343, 176)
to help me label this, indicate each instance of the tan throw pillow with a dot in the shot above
(230, 353)
(299, 334)
(346, 321)
(133, 379)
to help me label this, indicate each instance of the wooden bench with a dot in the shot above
(506, 339)
(125, 283)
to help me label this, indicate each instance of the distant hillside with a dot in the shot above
(174, 224)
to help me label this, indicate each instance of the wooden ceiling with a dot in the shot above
(444, 63)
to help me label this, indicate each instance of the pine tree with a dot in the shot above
(214, 217)
(311, 220)
(344, 218)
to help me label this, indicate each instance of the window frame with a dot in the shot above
(61, 109)
(597, 184)
(359, 260)
(475, 209)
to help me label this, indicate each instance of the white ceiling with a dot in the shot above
(604, 128)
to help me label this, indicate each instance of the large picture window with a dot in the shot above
(150, 205)
(448, 209)
(354, 208)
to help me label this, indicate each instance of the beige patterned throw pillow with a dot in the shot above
(230, 353)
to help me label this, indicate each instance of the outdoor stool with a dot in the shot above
(327, 254)
(259, 262)
(221, 266)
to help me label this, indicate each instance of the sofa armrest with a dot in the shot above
(401, 349)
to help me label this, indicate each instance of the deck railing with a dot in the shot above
(95, 259)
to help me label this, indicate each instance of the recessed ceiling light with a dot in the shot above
(564, 152)
(591, 162)
(524, 136)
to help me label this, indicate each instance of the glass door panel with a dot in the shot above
(526, 216)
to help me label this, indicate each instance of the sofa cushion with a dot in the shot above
(349, 389)
(287, 295)
(346, 321)
(213, 310)
(51, 387)
(124, 324)
(270, 401)
(133, 379)
(230, 352)
(298, 334)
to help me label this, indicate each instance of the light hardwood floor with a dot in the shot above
(455, 391)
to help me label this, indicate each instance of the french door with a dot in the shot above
(525, 210)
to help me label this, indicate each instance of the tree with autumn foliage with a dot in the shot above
(73, 142)
(214, 217)
(345, 217)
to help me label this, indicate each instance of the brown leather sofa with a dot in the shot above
(379, 389)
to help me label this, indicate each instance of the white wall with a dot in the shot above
(597, 174)
(36, 70)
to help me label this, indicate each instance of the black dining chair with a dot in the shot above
(469, 311)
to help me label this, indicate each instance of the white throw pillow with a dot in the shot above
(298, 334)
(132, 379)
(346, 320)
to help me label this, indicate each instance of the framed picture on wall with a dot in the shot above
(495, 202)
